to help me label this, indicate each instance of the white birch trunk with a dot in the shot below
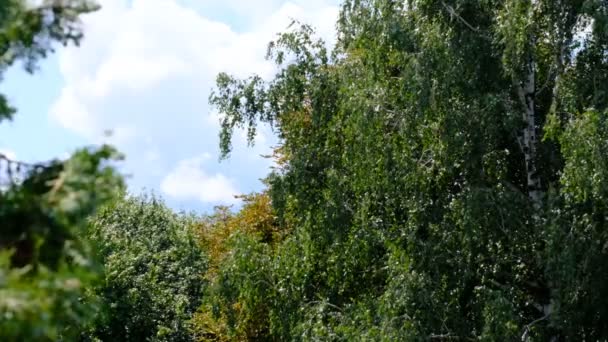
(526, 91)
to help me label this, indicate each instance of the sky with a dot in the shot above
(145, 70)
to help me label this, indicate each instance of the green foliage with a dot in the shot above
(241, 247)
(405, 180)
(411, 199)
(578, 243)
(45, 265)
(154, 268)
(27, 33)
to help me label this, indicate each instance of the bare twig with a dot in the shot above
(324, 303)
(512, 187)
(551, 75)
(525, 335)
(443, 337)
(19, 163)
(453, 13)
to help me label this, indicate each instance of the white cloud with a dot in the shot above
(189, 181)
(129, 49)
(145, 69)
(8, 153)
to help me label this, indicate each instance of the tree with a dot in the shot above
(443, 171)
(45, 265)
(27, 33)
(154, 268)
(240, 246)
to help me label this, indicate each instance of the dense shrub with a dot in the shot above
(154, 267)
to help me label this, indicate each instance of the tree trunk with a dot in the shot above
(526, 91)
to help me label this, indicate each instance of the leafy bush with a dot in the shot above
(154, 269)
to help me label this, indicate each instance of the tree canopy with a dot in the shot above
(442, 170)
(153, 272)
(441, 174)
(29, 32)
(46, 267)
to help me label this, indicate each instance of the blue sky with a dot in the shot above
(144, 71)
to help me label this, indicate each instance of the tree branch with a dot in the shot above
(444, 337)
(453, 13)
(525, 336)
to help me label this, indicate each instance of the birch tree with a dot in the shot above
(442, 171)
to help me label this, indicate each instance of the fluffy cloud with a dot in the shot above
(189, 181)
(145, 70)
(8, 153)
